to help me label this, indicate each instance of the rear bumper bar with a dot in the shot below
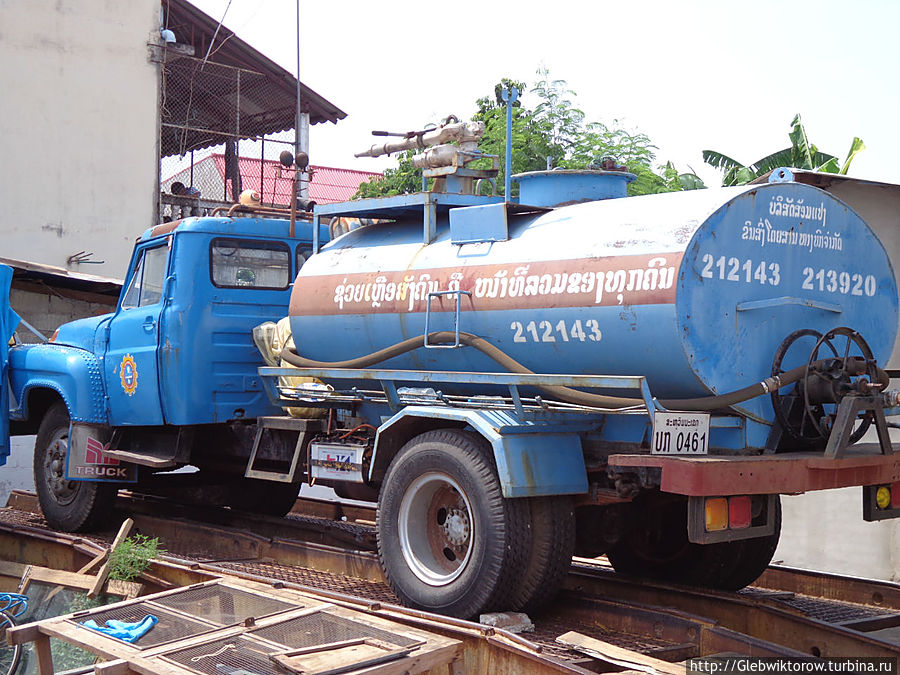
(788, 473)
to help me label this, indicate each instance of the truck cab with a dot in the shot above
(170, 377)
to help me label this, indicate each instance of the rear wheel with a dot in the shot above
(67, 505)
(447, 539)
(754, 556)
(657, 547)
(552, 544)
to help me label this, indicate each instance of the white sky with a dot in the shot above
(692, 75)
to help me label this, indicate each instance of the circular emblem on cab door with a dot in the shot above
(128, 374)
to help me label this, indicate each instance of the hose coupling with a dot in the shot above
(891, 398)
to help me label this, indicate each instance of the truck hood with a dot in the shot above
(81, 333)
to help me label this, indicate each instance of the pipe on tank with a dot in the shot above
(463, 132)
(567, 394)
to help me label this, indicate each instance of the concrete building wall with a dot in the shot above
(79, 142)
(47, 311)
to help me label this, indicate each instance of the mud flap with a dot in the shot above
(86, 461)
(8, 322)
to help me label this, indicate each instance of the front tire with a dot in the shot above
(448, 541)
(67, 505)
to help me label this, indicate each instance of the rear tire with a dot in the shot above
(754, 556)
(67, 505)
(552, 545)
(657, 547)
(448, 541)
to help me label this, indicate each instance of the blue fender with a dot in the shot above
(533, 459)
(75, 374)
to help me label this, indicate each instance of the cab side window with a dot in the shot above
(145, 287)
(303, 255)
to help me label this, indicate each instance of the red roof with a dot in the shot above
(327, 184)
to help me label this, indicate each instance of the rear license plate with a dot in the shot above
(677, 433)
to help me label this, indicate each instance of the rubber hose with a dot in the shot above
(567, 394)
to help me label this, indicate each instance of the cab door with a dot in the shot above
(8, 322)
(131, 366)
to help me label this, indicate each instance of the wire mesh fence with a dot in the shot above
(222, 131)
(216, 137)
(206, 104)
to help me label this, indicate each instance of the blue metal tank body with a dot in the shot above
(695, 290)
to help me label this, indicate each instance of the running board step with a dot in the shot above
(143, 460)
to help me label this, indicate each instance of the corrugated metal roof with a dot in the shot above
(328, 184)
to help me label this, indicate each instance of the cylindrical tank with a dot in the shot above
(695, 290)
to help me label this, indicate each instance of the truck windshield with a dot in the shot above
(146, 284)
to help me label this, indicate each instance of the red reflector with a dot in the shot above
(739, 512)
(895, 495)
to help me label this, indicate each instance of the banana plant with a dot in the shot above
(800, 155)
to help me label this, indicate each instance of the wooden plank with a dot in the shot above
(102, 575)
(62, 578)
(147, 666)
(44, 657)
(12, 569)
(420, 662)
(618, 655)
(94, 562)
(124, 589)
(341, 657)
(19, 635)
(114, 667)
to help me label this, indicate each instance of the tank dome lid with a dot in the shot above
(561, 187)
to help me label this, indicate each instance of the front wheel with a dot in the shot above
(447, 539)
(67, 505)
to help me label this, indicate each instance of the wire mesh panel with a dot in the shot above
(205, 103)
(229, 656)
(324, 628)
(169, 627)
(224, 605)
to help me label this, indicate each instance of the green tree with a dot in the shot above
(402, 180)
(800, 155)
(554, 133)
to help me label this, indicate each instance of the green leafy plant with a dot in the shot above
(554, 133)
(801, 155)
(132, 557)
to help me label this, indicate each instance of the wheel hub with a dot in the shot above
(435, 527)
(456, 527)
(62, 489)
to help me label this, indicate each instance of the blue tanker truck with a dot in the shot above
(512, 382)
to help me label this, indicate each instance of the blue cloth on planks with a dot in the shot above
(130, 632)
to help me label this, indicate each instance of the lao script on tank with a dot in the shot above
(643, 279)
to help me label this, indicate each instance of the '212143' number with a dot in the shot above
(544, 331)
